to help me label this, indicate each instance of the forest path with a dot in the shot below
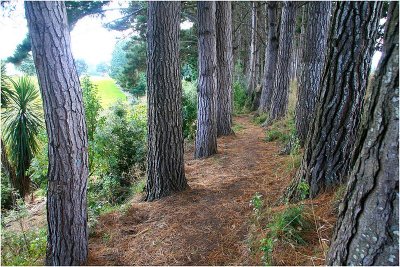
(208, 223)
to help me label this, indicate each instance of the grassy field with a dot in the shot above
(108, 91)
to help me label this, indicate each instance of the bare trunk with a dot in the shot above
(280, 94)
(165, 164)
(312, 61)
(271, 55)
(65, 123)
(224, 68)
(367, 230)
(206, 135)
(333, 130)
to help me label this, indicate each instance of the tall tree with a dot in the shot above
(271, 55)
(332, 132)
(317, 16)
(280, 94)
(66, 129)
(367, 230)
(165, 166)
(224, 67)
(251, 76)
(206, 135)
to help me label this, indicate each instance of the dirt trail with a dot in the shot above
(205, 225)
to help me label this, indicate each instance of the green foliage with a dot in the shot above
(38, 168)
(92, 105)
(102, 68)
(118, 59)
(283, 131)
(303, 188)
(20, 246)
(260, 118)
(27, 66)
(81, 66)
(23, 248)
(239, 98)
(6, 192)
(286, 226)
(6, 92)
(141, 85)
(189, 108)
(257, 203)
(22, 124)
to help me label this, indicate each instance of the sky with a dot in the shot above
(89, 40)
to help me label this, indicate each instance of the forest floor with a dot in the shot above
(210, 223)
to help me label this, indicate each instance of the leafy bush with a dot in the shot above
(119, 154)
(189, 108)
(23, 248)
(6, 192)
(239, 98)
(39, 164)
(260, 118)
(140, 88)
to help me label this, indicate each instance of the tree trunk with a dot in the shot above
(367, 230)
(280, 94)
(165, 164)
(224, 68)
(251, 76)
(333, 130)
(271, 55)
(206, 135)
(66, 129)
(312, 63)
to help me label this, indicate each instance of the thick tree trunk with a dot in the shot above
(367, 230)
(251, 76)
(224, 68)
(332, 132)
(165, 165)
(271, 55)
(66, 129)
(206, 135)
(312, 63)
(280, 94)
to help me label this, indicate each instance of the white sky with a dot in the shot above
(89, 40)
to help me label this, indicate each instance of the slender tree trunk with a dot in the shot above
(206, 135)
(66, 129)
(312, 61)
(367, 230)
(165, 165)
(271, 55)
(224, 67)
(333, 130)
(280, 94)
(251, 76)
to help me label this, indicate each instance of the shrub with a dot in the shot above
(189, 108)
(39, 164)
(6, 192)
(239, 98)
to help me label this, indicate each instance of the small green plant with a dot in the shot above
(257, 203)
(237, 127)
(239, 98)
(286, 226)
(260, 118)
(303, 189)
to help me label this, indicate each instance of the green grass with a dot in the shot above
(108, 91)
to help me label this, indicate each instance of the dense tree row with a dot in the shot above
(331, 60)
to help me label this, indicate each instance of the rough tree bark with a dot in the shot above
(312, 60)
(280, 94)
(271, 55)
(224, 67)
(206, 134)
(251, 76)
(165, 164)
(66, 129)
(367, 230)
(333, 129)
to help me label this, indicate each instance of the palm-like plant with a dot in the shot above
(22, 122)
